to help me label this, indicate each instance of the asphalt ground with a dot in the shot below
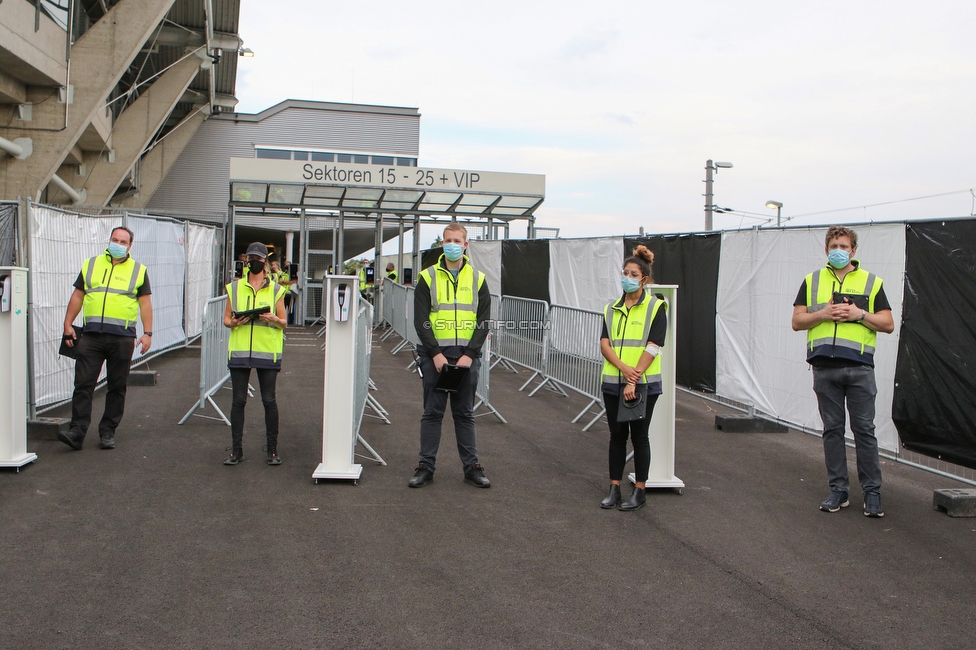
(157, 544)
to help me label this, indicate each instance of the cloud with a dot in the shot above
(583, 47)
(619, 118)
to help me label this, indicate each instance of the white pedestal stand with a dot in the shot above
(338, 417)
(661, 431)
(13, 371)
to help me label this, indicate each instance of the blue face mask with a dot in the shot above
(839, 258)
(629, 284)
(116, 250)
(453, 252)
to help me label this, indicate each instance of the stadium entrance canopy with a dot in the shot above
(365, 205)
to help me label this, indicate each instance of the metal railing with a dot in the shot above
(573, 356)
(213, 358)
(364, 345)
(484, 380)
(521, 334)
(362, 382)
(389, 289)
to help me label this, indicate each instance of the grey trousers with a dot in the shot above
(462, 407)
(856, 386)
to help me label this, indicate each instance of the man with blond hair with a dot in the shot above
(452, 305)
(842, 307)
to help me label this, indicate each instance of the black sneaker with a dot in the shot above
(72, 439)
(872, 505)
(236, 456)
(835, 502)
(107, 442)
(273, 458)
(476, 477)
(421, 477)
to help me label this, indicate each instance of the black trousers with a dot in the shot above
(94, 350)
(636, 431)
(267, 378)
(462, 410)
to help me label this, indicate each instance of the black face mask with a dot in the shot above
(255, 266)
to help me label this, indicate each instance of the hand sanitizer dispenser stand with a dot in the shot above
(341, 303)
(13, 372)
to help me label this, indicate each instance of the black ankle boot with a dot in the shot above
(635, 501)
(236, 456)
(612, 498)
(273, 458)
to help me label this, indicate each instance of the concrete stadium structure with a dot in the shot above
(98, 98)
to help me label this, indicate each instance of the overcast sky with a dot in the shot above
(820, 105)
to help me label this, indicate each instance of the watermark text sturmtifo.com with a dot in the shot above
(510, 325)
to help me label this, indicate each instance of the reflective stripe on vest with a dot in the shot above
(257, 343)
(628, 338)
(852, 341)
(111, 304)
(453, 303)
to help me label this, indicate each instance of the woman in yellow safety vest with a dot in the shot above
(634, 328)
(256, 341)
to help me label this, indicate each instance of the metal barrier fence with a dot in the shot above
(213, 358)
(362, 383)
(364, 346)
(573, 356)
(484, 379)
(389, 289)
(521, 334)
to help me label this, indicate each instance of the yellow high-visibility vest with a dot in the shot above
(111, 305)
(628, 330)
(453, 303)
(257, 343)
(853, 341)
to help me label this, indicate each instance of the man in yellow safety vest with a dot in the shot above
(452, 305)
(113, 290)
(842, 307)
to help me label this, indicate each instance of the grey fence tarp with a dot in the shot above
(8, 234)
(200, 275)
(160, 245)
(58, 243)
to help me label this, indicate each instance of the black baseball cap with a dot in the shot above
(258, 249)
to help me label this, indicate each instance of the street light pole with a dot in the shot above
(709, 202)
(708, 195)
(779, 210)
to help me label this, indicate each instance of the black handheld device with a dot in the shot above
(252, 313)
(451, 377)
(859, 300)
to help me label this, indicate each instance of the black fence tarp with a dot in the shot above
(691, 262)
(8, 233)
(429, 257)
(525, 268)
(934, 403)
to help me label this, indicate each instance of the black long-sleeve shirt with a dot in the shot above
(421, 321)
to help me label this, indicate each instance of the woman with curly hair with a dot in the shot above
(634, 328)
